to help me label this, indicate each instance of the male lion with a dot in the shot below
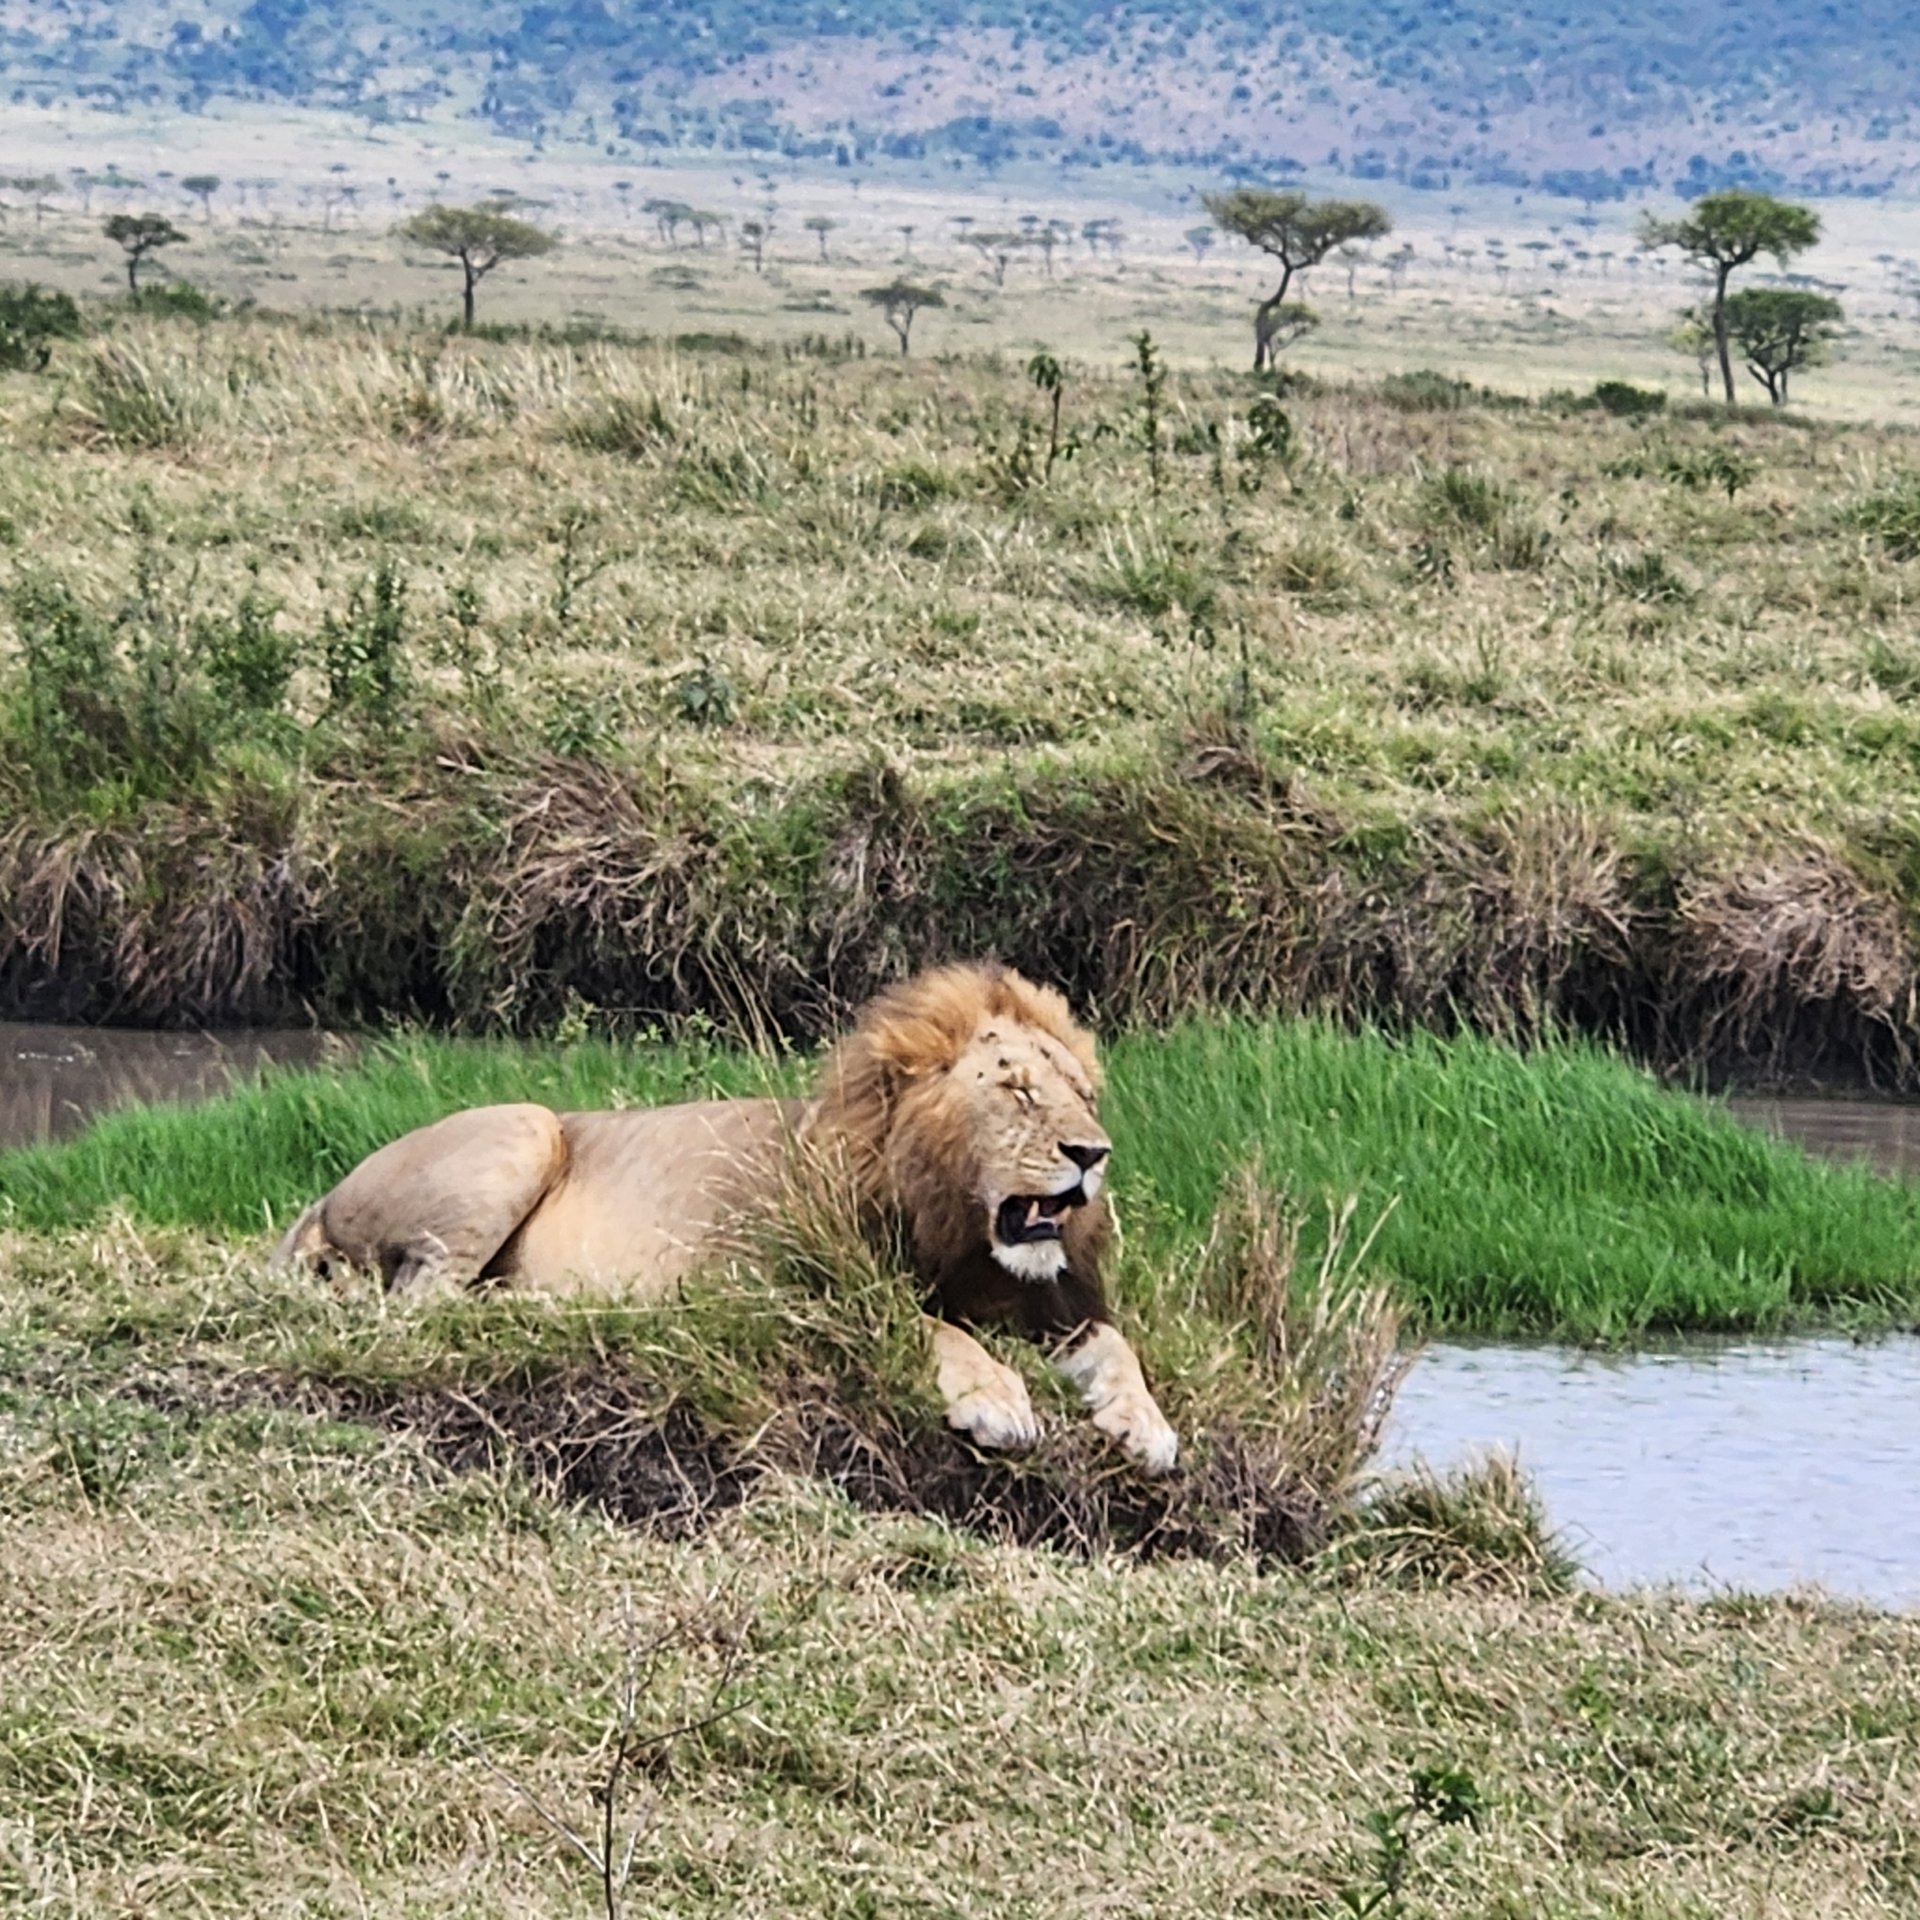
(965, 1104)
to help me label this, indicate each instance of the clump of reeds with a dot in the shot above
(1479, 1526)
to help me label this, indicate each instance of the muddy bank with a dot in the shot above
(499, 897)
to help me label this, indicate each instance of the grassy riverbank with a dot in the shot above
(357, 669)
(1553, 1192)
(255, 1660)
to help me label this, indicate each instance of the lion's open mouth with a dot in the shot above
(1023, 1218)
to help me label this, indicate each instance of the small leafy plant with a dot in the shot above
(1437, 1797)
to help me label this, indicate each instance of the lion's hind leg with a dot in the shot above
(431, 1209)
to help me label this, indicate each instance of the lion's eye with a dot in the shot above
(1026, 1096)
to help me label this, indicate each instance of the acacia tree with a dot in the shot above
(141, 234)
(997, 251)
(900, 301)
(203, 186)
(667, 216)
(753, 242)
(1780, 330)
(480, 238)
(1297, 232)
(820, 225)
(38, 187)
(1693, 333)
(1724, 231)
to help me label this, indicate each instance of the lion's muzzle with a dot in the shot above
(1024, 1218)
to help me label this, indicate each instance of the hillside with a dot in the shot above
(1449, 94)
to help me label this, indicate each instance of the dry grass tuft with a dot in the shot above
(1798, 958)
(1478, 1528)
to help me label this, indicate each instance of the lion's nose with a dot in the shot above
(1084, 1156)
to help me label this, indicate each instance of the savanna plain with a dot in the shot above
(1400, 764)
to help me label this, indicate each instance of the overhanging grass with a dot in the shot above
(1555, 1192)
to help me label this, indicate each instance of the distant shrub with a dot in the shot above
(1716, 466)
(129, 398)
(135, 701)
(1424, 391)
(914, 483)
(1695, 468)
(623, 424)
(703, 696)
(1646, 576)
(1311, 567)
(736, 345)
(1461, 497)
(364, 648)
(581, 331)
(1150, 577)
(179, 300)
(31, 319)
(722, 479)
(1625, 401)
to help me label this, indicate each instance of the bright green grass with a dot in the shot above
(1557, 1192)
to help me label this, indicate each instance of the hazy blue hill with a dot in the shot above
(1593, 99)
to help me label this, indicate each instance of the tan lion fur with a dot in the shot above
(896, 1099)
(962, 1099)
(634, 1200)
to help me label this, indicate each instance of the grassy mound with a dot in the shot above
(1556, 1191)
(804, 1354)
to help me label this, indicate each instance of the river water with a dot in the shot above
(53, 1080)
(1738, 1464)
(1745, 1464)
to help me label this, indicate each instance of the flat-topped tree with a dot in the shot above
(1297, 232)
(997, 251)
(141, 234)
(480, 238)
(819, 225)
(203, 186)
(1779, 330)
(900, 302)
(39, 188)
(1723, 231)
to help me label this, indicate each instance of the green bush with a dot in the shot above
(31, 319)
(1625, 401)
(179, 300)
(137, 700)
(1424, 391)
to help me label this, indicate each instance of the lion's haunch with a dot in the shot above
(965, 1102)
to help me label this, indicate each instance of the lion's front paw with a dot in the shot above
(985, 1400)
(996, 1414)
(1142, 1430)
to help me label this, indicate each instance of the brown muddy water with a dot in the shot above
(1738, 1464)
(53, 1080)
